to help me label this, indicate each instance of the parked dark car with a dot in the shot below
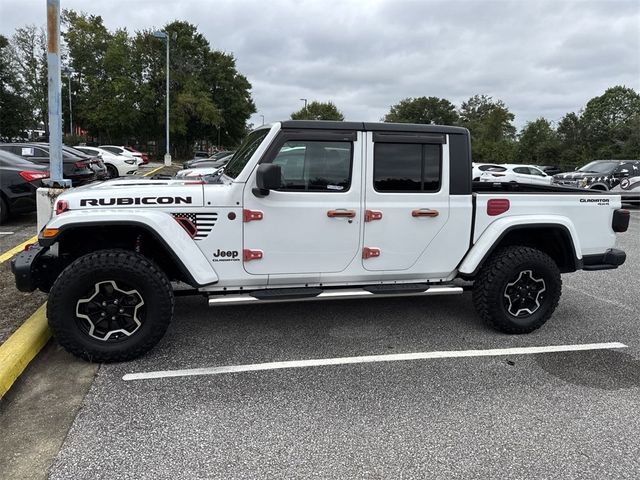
(551, 169)
(75, 167)
(95, 162)
(19, 179)
(193, 163)
(599, 174)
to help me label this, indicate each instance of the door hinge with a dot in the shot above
(248, 255)
(369, 252)
(250, 215)
(370, 215)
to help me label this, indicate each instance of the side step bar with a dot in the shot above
(334, 294)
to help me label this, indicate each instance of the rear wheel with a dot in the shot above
(112, 172)
(517, 290)
(4, 211)
(109, 306)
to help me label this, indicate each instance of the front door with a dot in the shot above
(311, 224)
(406, 199)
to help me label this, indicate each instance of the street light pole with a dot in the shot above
(167, 155)
(305, 103)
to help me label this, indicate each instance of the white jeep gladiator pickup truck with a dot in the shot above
(309, 210)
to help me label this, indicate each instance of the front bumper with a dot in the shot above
(608, 260)
(28, 268)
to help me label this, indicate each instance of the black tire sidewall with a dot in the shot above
(112, 171)
(76, 282)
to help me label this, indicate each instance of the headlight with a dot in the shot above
(130, 162)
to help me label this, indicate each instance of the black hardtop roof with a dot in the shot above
(373, 126)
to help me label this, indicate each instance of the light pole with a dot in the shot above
(305, 103)
(68, 73)
(165, 36)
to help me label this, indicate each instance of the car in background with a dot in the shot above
(508, 173)
(550, 169)
(19, 180)
(117, 165)
(629, 190)
(74, 167)
(478, 168)
(203, 169)
(139, 154)
(200, 154)
(126, 151)
(95, 162)
(599, 174)
(216, 156)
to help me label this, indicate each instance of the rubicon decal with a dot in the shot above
(95, 202)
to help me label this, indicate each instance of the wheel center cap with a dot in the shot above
(112, 309)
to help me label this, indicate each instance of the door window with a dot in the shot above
(522, 170)
(406, 167)
(315, 166)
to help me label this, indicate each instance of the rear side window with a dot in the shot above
(524, 170)
(406, 167)
(315, 166)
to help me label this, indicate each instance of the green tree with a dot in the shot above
(430, 110)
(570, 135)
(609, 123)
(28, 45)
(492, 131)
(318, 111)
(15, 112)
(538, 143)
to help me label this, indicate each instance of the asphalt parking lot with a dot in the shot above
(552, 415)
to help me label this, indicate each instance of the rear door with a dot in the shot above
(311, 224)
(406, 199)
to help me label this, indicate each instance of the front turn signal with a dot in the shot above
(50, 232)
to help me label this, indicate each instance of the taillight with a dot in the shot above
(620, 221)
(497, 206)
(81, 164)
(30, 176)
(61, 206)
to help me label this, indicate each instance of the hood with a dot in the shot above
(135, 193)
(575, 175)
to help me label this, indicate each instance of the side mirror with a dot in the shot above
(268, 177)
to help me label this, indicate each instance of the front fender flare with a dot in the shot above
(161, 225)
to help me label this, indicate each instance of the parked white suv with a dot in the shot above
(517, 174)
(117, 165)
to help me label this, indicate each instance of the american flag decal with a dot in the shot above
(204, 222)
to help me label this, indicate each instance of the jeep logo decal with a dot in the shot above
(226, 253)
(94, 202)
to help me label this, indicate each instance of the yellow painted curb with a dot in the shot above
(21, 347)
(152, 171)
(17, 249)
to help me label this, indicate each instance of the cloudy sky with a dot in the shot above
(542, 58)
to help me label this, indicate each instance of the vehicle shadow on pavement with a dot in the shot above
(601, 369)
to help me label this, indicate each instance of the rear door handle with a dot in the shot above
(341, 213)
(424, 212)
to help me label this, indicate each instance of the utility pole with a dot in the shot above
(165, 37)
(305, 103)
(54, 96)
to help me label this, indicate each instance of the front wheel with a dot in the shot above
(110, 306)
(517, 289)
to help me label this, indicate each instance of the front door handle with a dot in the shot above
(341, 213)
(424, 212)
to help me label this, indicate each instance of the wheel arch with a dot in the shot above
(182, 261)
(554, 239)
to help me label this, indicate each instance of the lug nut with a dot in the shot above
(121, 310)
(113, 318)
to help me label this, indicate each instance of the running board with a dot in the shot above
(335, 294)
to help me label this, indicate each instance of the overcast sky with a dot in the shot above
(542, 58)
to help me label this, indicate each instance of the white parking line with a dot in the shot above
(399, 357)
(7, 233)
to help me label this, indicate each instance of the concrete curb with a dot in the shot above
(21, 347)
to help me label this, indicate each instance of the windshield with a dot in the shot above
(598, 167)
(244, 153)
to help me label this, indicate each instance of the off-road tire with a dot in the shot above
(491, 282)
(118, 265)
